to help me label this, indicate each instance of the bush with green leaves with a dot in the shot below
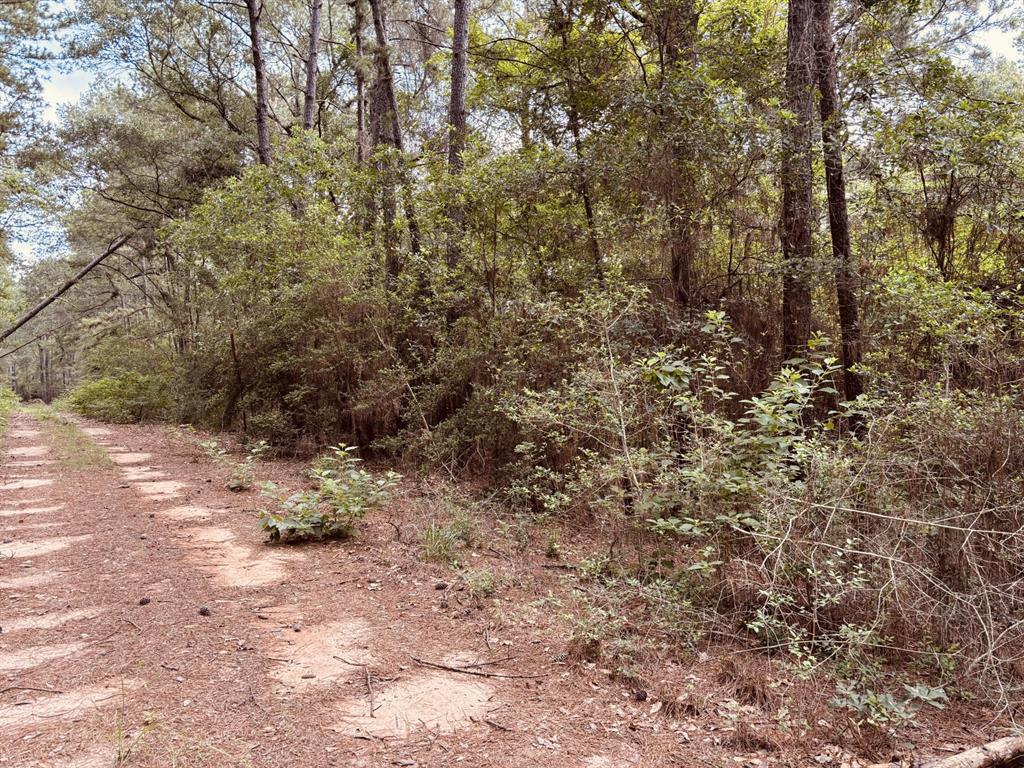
(344, 492)
(834, 548)
(886, 710)
(125, 397)
(242, 472)
(8, 402)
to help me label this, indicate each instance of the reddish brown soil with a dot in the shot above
(105, 654)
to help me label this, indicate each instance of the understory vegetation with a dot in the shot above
(342, 495)
(71, 446)
(732, 287)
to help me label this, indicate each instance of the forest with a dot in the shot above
(717, 302)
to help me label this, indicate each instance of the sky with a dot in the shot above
(1001, 43)
(61, 89)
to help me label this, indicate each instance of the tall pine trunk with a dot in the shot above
(835, 184)
(309, 105)
(389, 132)
(254, 8)
(456, 212)
(358, 24)
(797, 179)
(674, 27)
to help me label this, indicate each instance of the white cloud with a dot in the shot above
(63, 88)
(1001, 42)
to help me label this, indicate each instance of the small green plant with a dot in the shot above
(513, 533)
(885, 709)
(344, 493)
(242, 475)
(442, 541)
(480, 584)
(553, 547)
(127, 742)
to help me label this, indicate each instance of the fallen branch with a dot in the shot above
(1001, 753)
(369, 689)
(475, 672)
(112, 248)
(479, 664)
(346, 661)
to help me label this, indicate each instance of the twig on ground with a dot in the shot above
(369, 689)
(477, 664)
(477, 673)
(346, 661)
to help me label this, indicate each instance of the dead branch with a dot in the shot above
(1001, 753)
(477, 673)
(112, 248)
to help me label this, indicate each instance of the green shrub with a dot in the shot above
(8, 402)
(443, 540)
(123, 398)
(345, 492)
(242, 472)
(885, 709)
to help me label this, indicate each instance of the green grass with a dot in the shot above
(481, 584)
(71, 446)
(443, 541)
(8, 403)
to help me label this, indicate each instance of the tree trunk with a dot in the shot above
(358, 24)
(583, 177)
(797, 179)
(586, 194)
(114, 246)
(835, 183)
(255, 10)
(456, 212)
(309, 102)
(675, 32)
(389, 129)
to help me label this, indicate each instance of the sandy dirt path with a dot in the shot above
(144, 619)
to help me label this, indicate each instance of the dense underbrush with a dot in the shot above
(738, 495)
(8, 402)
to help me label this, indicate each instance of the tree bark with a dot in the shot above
(309, 102)
(358, 24)
(389, 130)
(835, 184)
(674, 27)
(457, 130)
(797, 179)
(1002, 752)
(585, 191)
(255, 11)
(562, 23)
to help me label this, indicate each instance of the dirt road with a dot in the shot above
(144, 620)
